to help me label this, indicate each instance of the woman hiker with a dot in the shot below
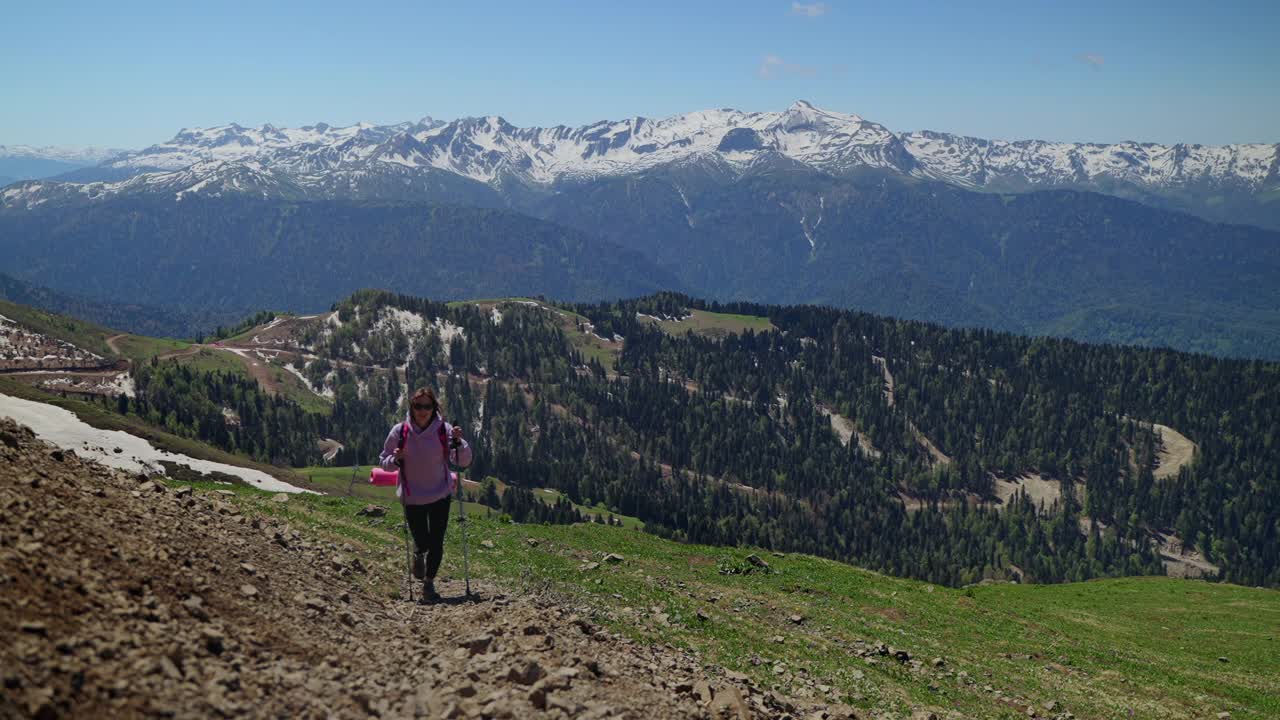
(419, 447)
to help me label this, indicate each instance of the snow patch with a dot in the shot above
(67, 431)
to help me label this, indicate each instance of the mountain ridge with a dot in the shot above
(491, 151)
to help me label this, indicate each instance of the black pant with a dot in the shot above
(427, 524)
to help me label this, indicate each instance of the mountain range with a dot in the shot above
(1235, 183)
(1095, 242)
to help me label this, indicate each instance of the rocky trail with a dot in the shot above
(125, 596)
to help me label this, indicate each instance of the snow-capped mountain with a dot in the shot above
(975, 162)
(414, 160)
(75, 156)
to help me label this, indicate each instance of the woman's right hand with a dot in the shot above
(398, 456)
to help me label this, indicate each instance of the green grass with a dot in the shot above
(1140, 647)
(210, 360)
(83, 335)
(295, 389)
(141, 349)
(715, 325)
(337, 481)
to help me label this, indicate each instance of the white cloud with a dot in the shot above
(773, 66)
(813, 10)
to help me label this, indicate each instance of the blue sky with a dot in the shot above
(129, 74)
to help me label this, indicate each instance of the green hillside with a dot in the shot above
(82, 334)
(1141, 648)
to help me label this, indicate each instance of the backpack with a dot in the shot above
(444, 447)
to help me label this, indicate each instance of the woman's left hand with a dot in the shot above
(457, 433)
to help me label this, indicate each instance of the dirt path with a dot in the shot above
(111, 343)
(1040, 490)
(122, 597)
(259, 370)
(1176, 451)
(935, 453)
(888, 378)
(846, 431)
(185, 352)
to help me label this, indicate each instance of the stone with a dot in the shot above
(195, 606)
(613, 558)
(372, 511)
(702, 692)
(182, 492)
(248, 591)
(280, 498)
(526, 673)
(939, 663)
(487, 544)
(702, 615)
(568, 706)
(757, 561)
(537, 697)
(729, 705)
(214, 641)
(796, 619)
(34, 628)
(477, 644)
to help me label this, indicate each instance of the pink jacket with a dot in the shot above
(424, 471)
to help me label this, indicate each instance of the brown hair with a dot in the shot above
(427, 393)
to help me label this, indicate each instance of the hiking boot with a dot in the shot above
(429, 594)
(419, 565)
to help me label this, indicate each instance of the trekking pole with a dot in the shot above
(408, 554)
(462, 520)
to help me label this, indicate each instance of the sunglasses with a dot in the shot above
(419, 406)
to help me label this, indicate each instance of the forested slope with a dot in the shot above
(731, 440)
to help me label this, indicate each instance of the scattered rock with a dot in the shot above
(372, 511)
(487, 544)
(280, 498)
(613, 558)
(174, 628)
